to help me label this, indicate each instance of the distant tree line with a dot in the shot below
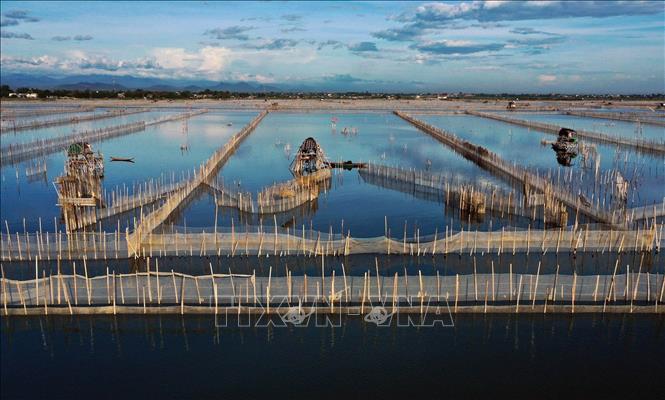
(224, 95)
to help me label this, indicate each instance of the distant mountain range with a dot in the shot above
(119, 83)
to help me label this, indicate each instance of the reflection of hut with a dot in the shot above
(309, 158)
(511, 105)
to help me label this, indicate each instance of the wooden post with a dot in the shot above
(510, 279)
(76, 293)
(487, 283)
(268, 290)
(456, 291)
(4, 290)
(346, 288)
(572, 293)
(519, 292)
(175, 291)
(535, 288)
(36, 280)
(475, 280)
(362, 302)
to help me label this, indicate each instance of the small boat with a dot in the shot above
(229, 124)
(123, 159)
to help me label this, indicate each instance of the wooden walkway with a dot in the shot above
(206, 171)
(646, 146)
(497, 165)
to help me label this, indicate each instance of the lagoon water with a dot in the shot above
(156, 152)
(607, 126)
(645, 173)
(264, 158)
(382, 138)
(481, 356)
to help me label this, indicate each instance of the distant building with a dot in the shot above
(24, 95)
(121, 95)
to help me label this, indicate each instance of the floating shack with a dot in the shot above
(80, 185)
(566, 146)
(309, 158)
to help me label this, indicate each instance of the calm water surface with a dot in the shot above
(497, 356)
(645, 173)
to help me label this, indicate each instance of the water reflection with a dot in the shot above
(477, 357)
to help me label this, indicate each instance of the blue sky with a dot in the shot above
(492, 46)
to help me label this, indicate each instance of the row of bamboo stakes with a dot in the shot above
(8, 113)
(277, 198)
(643, 118)
(645, 145)
(151, 221)
(17, 152)
(30, 125)
(293, 241)
(512, 171)
(148, 192)
(243, 293)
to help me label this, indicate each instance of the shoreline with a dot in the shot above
(424, 105)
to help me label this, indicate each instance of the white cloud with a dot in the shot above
(171, 58)
(210, 61)
(214, 60)
(546, 79)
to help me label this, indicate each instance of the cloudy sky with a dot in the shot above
(492, 46)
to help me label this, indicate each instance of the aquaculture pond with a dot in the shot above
(28, 135)
(612, 127)
(363, 208)
(475, 356)
(156, 152)
(645, 173)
